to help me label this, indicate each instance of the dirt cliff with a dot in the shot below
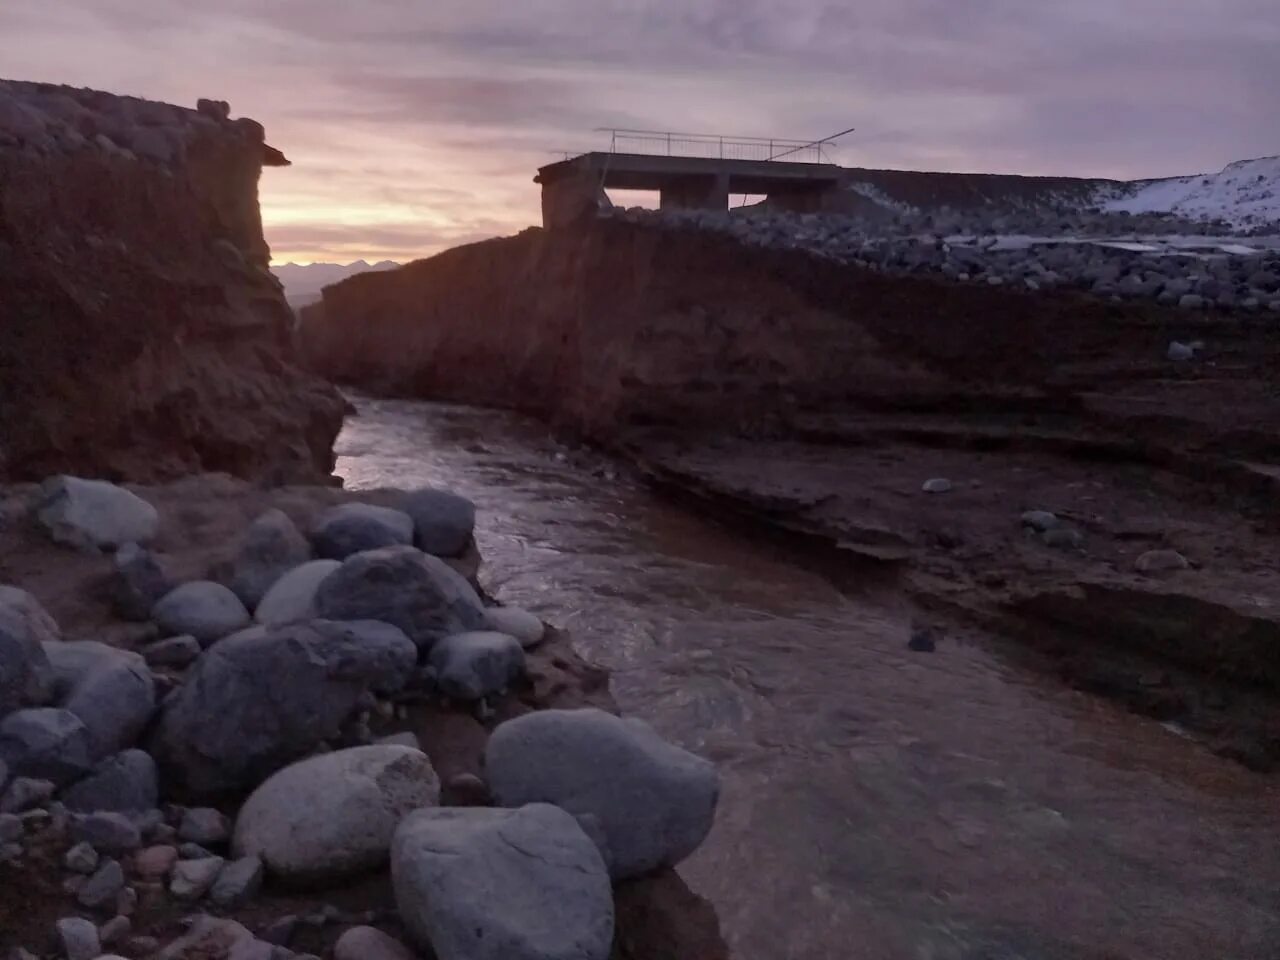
(142, 335)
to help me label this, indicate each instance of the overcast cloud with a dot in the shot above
(417, 124)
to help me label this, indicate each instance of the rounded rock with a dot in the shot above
(95, 514)
(515, 622)
(205, 610)
(473, 665)
(271, 547)
(443, 522)
(356, 527)
(333, 815)
(46, 743)
(649, 802)
(293, 596)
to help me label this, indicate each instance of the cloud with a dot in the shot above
(404, 112)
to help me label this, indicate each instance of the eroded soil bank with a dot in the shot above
(820, 398)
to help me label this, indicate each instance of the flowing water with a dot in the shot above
(877, 802)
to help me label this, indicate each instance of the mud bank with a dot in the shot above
(143, 336)
(820, 398)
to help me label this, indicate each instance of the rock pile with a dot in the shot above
(1104, 255)
(272, 671)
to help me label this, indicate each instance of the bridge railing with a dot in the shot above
(668, 144)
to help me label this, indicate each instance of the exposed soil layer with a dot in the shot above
(141, 335)
(819, 398)
(201, 520)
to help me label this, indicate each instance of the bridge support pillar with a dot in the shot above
(568, 199)
(695, 193)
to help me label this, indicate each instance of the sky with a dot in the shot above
(415, 125)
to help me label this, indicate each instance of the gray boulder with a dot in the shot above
(46, 743)
(25, 676)
(354, 527)
(138, 583)
(417, 592)
(102, 887)
(473, 665)
(267, 697)
(272, 546)
(521, 624)
(293, 596)
(205, 610)
(110, 690)
(333, 815)
(126, 782)
(94, 514)
(443, 522)
(24, 793)
(476, 883)
(649, 802)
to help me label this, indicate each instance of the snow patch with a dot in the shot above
(1244, 194)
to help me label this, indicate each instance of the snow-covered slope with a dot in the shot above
(304, 281)
(1245, 194)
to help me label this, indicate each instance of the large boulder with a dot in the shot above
(293, 596)
(139, 581)
(648, 802)
(45, 743)
(354, 527)
(271, 546)
(417, 592)
(473, 665)
(443, 522)
(95, 514)
(25, 676)
(205, 610)
(264, 698)
(330, 816)
(124, 783)
(111, 690)
(477, 883)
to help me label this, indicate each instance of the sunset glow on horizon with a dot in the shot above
(414, 127)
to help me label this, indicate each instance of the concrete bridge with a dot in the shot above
(574, 187)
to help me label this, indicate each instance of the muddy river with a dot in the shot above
(877, 802)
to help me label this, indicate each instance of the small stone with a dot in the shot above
(1040, 520)
(192, 878)
(141, 946)
(11, 828)
(205, 826)
(126, 782)
(1063, 538)
(173, 652)
(238, 882)
(127, 902)
(101, 888)
(115, 930)
(1160, 561)
(155, 862)
(79, 938)
(465, 790)
(24, 793)
(513, 621)
(164, 833)
(139, 581)
(370, 943)
(937, 485)
(110, 833)
(1181, 351)
(193, 851)
(279, 931)
(922, 640)
(81, 858)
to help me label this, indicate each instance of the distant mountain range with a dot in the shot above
(304, 281)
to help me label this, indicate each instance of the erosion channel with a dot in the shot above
(878, 801)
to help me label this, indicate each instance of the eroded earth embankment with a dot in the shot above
(1108, 499)
(141, 334)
